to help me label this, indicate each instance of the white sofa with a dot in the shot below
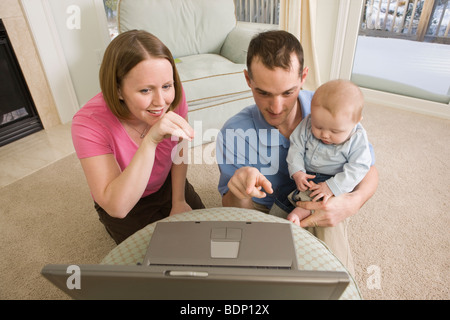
(210, 48)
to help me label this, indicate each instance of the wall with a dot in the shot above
(22, 41)
(71, 36)
(83, 35)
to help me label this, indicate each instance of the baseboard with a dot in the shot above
(425, 107)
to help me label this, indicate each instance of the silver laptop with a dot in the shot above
(222, 244)
(206, 260)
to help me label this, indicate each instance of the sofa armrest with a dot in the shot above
(236, 44)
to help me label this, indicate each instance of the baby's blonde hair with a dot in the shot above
(337, 96)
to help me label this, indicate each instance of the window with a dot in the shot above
(111, 17)
(259, 11)
(394, 39)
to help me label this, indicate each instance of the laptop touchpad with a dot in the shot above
(225, 242)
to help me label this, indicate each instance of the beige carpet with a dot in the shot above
(400, 238)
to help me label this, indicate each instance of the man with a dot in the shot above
(252, 145)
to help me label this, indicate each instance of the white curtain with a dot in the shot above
(298, 17)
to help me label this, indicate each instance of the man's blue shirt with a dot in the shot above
(246, 139)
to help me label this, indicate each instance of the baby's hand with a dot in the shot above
(292, 217)
(301, 180)
(319, 191)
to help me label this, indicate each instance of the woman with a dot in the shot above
(125, 137)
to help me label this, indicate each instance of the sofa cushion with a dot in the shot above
(236, 44)
(210, 79)
(193, 26)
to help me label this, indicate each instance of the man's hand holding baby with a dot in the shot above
(320, 191)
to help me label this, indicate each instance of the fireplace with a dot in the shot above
(18, 115)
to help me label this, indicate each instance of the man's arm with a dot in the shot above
(230, 200)
(336, 209)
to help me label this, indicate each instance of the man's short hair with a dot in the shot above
(274, 49)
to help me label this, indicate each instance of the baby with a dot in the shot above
(329, 152)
